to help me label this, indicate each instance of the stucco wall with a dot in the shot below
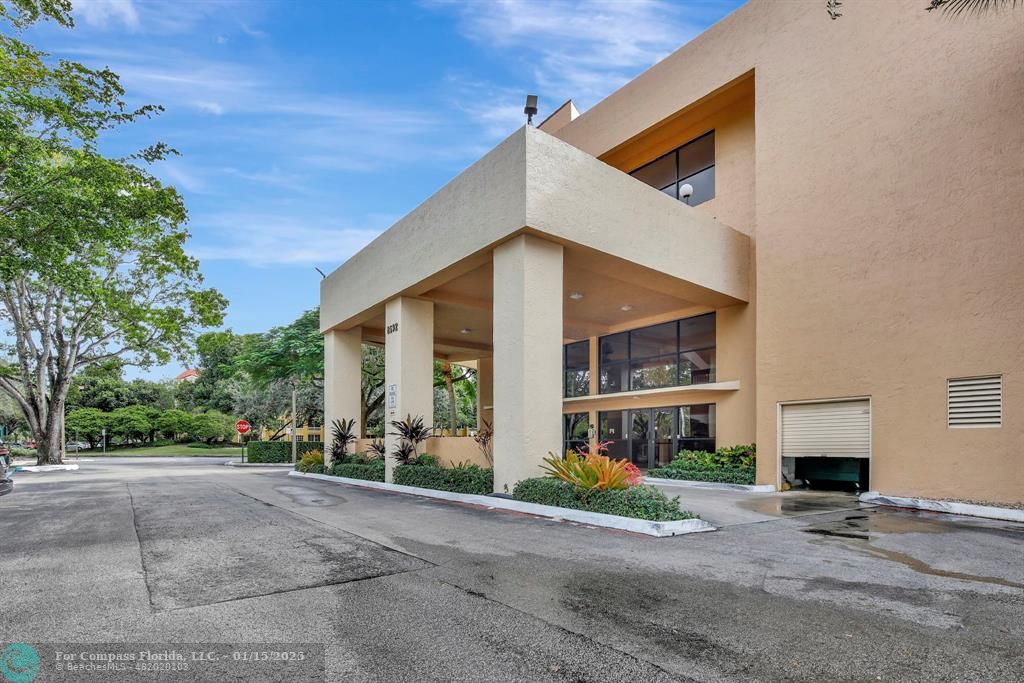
(888, 210)
(450, 450)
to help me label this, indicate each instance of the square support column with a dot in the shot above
(408, 367)
(343, 378)
(527, 358)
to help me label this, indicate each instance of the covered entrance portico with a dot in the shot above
(535, 245)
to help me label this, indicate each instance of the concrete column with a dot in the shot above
(408, 367)
(527, 357)
(595, 366)
(485, 391)
(343, 377)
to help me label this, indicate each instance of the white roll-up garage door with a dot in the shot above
(834, 429)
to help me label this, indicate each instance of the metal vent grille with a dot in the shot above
(975, 401)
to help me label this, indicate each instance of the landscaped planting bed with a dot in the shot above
(372, 470)
(639, 502)
(459, 479)
(277, 451)
(733, 465)
(721, 475)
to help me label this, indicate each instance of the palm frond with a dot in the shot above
(958, 7)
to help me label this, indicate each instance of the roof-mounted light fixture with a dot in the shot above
(530, 109)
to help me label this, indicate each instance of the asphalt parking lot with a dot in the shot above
(399, 588)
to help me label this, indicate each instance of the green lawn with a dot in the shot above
(176, 450)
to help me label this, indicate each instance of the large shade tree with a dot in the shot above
(92, 265)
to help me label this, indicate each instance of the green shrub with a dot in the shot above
(22, 453)
(724, 475)
(640, 502)
(372, 470)
(312, 461)
(730, 457)
(278, 451)
(427, 460)
(200, 444)
(460, 479)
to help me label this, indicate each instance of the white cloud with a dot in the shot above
(210, 107)
(582, 49)
(103, 13)
(265, 239)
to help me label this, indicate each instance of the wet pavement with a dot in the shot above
(724, 507)
(811, 587)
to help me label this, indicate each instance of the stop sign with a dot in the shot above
(242, 427)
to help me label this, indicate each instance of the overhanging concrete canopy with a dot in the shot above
(535, 183)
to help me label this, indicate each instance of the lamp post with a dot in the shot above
(295, 428)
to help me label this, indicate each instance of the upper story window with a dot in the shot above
(577, 368)
(678, 353)
(693, 164)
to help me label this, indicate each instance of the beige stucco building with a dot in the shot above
(796, 231)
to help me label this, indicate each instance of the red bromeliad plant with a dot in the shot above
(589, 469)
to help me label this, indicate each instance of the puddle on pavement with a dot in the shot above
(799, 503)
(856, 532)
(309, 497)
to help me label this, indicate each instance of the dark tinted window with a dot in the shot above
(577, 368)
(678, 353)
(656, 340)
(692, 163)
(576, 430)
(697, 332)
(658, 173)
(697, 155)
(615, 347)
(703, 185)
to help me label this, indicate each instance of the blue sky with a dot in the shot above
(307, 128)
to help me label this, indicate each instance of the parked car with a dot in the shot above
(5, 451)
(6, 485)
(75, 446)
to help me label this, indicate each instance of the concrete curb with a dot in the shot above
(754, 488)
(639, 526)
(45, 468)
(986, 511)
(234, 463)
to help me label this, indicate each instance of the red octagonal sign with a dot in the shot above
(242, 427)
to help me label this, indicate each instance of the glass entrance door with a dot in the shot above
(640, 437)
(652, 431)
(662, 435)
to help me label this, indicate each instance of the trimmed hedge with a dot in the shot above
(279, 451)
(640, 502)
(372, 471)
(463, 479)
(724, 475)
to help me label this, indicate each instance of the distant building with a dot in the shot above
(189, 375)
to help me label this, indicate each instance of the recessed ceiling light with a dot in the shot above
(575, 296)
(465, 330)
(626, 307)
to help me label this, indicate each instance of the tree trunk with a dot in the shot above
(453, 413)
(48, 445)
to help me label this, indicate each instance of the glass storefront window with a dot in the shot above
(654, 373)
(577, 368)
(652, 437)
(677, 353)
(576, 430)
(696, 430)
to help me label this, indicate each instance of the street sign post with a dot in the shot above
(243, 427)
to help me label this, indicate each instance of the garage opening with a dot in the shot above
(827, 445)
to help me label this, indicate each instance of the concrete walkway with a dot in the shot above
(723, 507)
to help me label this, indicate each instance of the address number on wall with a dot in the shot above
(393, 327)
